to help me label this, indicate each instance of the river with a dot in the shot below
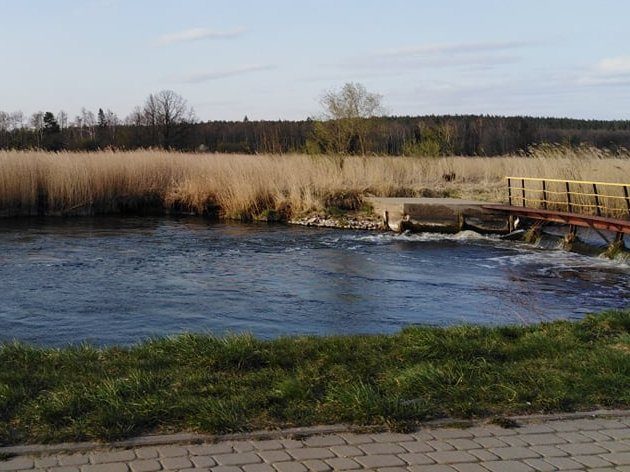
(120, 280)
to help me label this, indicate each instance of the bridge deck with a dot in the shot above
(588, 221)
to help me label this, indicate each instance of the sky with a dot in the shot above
(274, 59)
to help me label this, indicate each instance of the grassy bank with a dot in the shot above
(196, 382)
(238, 186)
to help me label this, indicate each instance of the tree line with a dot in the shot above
(352, 122)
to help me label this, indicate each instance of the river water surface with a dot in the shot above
(121, 280)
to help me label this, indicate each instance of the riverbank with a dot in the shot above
(240, 383)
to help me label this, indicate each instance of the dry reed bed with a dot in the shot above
(241, 186)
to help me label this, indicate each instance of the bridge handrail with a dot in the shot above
(572, 200)
(586, 182)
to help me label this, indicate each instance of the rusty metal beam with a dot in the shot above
(586, 221)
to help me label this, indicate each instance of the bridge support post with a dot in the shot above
(615, 247)
(534, 233)
(569, 238)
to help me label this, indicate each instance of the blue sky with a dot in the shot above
(273, 59)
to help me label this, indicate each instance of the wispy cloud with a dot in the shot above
(197, 34)
(472, 56)
(609, 71)
(222, 74)
(443, 49)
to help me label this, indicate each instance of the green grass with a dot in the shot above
(202, 383)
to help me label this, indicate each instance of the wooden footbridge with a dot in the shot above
(601, 206)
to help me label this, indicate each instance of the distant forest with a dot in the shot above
(423, 135)
(351, 125)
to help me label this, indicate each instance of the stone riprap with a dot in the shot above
(596, 444)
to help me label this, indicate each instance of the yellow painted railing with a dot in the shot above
(573, 196)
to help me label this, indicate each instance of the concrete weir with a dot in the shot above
(443, 215)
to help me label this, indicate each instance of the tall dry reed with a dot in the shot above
(240, 185)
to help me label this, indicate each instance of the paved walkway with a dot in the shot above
(575, 444)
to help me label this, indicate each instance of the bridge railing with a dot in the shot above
(572, 196)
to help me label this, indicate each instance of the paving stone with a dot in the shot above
(499, 431)
(542, 439)
(311, 453)
(172, 451)
(575, 437)
(146, 452)
(170, 463)
(291, 443)
(352, 438)
(490, 442)
(382, 448)
(379, 461)
(392, 469)
(269, 445)
(616, 433)
(596, 423)
(440, 445)
(451, 433)
(514, 453)
(74, 459)
(226, 468)
(582, 449)
(416, 446)
(346, 451)
(463, 444)
(507, 466)
(65, 468)
(316, 465)
(342, 463)
(451, 457)
(591, 461)
(210, 449)
(483, 455)
(423, 435)
(113, 456)
(258, 468)
(17, 463)
(615, 446)
(324, 441)
(617, 458)
(480, 432)
(242, 446)
(416, 458)
(549, 451)
(43, 462)
(540, 465)
(203, 461)
(466, 467)
(274, 456)
(391, 437)
(113, 467)
(145, 465)
(513, 441)
(595, 435)
(289, 467)
(432, 468)
(238, 458)
(564, 463)
(535, 428)
(563, 426)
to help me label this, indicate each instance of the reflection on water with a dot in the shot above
(119, 280)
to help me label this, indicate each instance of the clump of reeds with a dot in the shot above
(243, 186)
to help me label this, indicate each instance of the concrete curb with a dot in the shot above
(298, 433)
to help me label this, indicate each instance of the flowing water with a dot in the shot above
(120, 280)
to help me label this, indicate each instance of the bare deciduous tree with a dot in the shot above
(345, 125)
(165, 111)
